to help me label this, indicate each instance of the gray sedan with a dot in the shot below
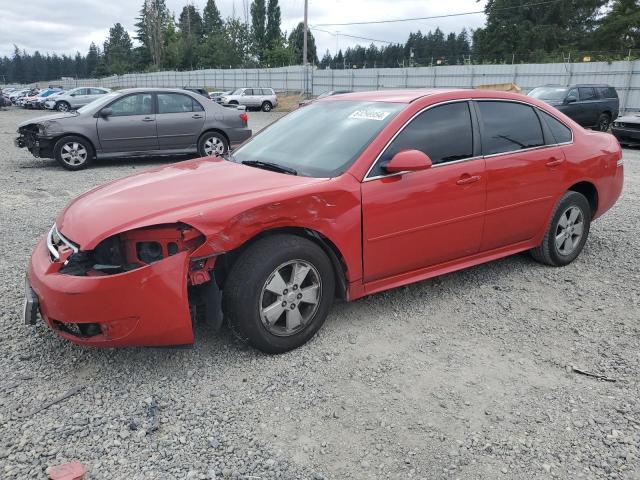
(135, 122)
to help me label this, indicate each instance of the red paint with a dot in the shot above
(389, 231)
(68, 471)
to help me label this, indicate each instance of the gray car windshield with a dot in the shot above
(549, 93)
(322, 139)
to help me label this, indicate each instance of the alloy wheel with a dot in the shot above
(569, 230)
(213, 146)
(74, 154)
(290, 298)
(63, 107)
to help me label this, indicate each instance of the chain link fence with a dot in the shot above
(624, 75)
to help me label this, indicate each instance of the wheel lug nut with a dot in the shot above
(285, 291)
(299, 296)
(284, 304)
(293, 306)
(295, 287)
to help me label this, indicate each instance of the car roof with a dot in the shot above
(576, 85)
(411, 95)
(153, 89)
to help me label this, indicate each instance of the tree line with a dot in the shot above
(203, 39)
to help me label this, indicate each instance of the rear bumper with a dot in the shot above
(144, 307)
(238, 135)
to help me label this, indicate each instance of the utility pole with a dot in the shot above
(304, 48)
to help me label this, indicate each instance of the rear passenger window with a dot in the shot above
(509, 127)
(603, 92)
(587, 93)
(444, 133)
(560, 132)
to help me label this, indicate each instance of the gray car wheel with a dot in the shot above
(212, 144)
(73, 153)
(266, 106)
(63, 106)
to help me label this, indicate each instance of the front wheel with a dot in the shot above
(63, 107)
(73, 153)
(567, 232)
(212, 144)
(266, 106)
(278, 293)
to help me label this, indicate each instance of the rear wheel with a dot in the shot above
(278, 293)
(567, 232)
(266, 106)
(212, 144)
(73, 153)
(63, 106)
(604, 121)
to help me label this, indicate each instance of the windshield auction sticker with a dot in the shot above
(369, 115)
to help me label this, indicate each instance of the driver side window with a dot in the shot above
(444, 133)
(137, 104)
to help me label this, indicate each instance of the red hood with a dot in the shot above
(168, 194)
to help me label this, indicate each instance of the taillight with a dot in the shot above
(244, 117)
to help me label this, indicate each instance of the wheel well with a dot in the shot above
(608, 113)
(587, 189)
(217, 131)
(267, 101)
(57, 139)
(225, 262)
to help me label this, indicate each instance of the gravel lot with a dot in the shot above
(464, 376)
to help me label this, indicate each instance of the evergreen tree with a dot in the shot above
(93, 57)
(117, 52)
(151, 29)
(273, 35)
(212, 21)
(258, 26)
(296, 41)
(620, 28)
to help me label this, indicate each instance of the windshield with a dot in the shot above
(106, 98)
(237, 92)
(549, 93)
(321, 140)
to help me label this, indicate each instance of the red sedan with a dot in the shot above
(349, 196)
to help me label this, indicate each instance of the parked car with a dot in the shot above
(75, 98)
(323, 95)
(18, 94)
(262, 98)
(199, 91)
(39, 101)
(401, 186)
(134, 122)
(627, 129)
(217, 96)
(593, 106)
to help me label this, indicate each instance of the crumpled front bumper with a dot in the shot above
(143, 307)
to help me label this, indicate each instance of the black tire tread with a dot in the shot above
(246, 267)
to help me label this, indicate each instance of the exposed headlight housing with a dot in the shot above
(134, 249)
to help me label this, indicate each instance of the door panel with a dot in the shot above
(131, 127)
(178, 124)
(521, 190)
(422, 218)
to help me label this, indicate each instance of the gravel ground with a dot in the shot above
(464, 376)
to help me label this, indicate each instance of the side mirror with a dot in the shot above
(570, 99)
(408, 161)
(106, 112)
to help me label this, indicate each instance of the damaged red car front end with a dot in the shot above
(132, 289)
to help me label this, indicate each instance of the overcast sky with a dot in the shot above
(67, 26)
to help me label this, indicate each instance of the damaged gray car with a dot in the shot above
(135, 122)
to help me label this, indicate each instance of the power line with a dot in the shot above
(354, 36)
(437, 16)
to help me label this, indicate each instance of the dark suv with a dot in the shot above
(593, 106)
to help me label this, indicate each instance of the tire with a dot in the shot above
(64, 148)
(604, 122)
(212, 144)
(553, 250)
(248, 296)
(63, 106)
(266, 106)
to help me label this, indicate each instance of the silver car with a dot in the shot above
(135, 122)
(262, 98)
(75, 98)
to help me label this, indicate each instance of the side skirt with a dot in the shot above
(360, 290)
